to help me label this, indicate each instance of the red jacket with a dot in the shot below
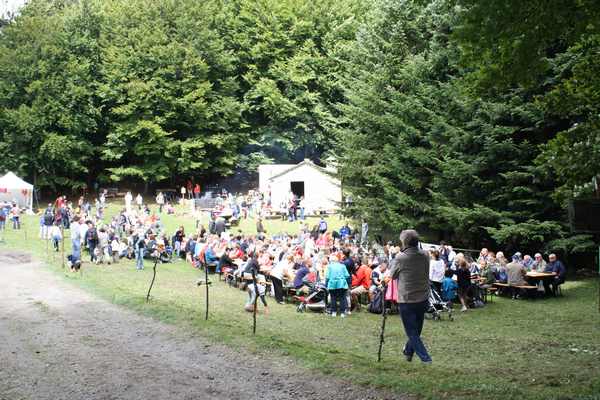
(362, 277)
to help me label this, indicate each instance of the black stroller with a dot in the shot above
(437, 306)
(315, 300)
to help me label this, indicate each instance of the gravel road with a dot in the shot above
(60, 342)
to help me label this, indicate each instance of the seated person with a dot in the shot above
(527, 262)
(361, 281)
(556, 266)
(377, 275)
(225, 261)
(211, 257)
(539, 264)
(301, 273)
(487, 274)
(449, 287)
(515, 272)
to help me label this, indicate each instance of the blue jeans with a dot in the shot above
(16, 223)
(413, 315)
(2, 225)
(177, 248)
(76, 250)
(139, 259)
(92, 246)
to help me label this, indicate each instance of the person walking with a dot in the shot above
(91, 239)
(411, 268)
(140, 248)
(75, 240)
(47, 221)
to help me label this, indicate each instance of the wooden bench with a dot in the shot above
(511, 288)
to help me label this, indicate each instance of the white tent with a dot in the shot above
(15, 189)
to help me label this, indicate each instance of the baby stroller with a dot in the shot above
(316, 300)
(437, 306)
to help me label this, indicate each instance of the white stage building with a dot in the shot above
(319, 186)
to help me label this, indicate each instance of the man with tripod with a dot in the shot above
(411, 268)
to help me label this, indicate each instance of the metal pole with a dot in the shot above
(384, 317)
(255, 301)
(206, 282)
(153, 277)
(62, 256)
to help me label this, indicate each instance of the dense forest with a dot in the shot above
(478, 121)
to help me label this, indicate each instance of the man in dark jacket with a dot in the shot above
(411, 268)
(48, 221)
(219, 226)
(556, 266)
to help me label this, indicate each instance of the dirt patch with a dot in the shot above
(59, 342)
(14, 257)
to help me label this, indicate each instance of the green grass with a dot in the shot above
(508, 350)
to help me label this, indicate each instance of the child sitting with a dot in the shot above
(449, 287)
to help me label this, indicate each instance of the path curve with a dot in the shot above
(59, 342)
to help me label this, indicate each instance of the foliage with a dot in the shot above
(473, 121)
(417, 149)
(553, 48)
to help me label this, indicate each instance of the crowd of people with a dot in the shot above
(298, 262)
(10, 212)
(314, 259)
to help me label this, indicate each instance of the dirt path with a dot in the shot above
(59, 342)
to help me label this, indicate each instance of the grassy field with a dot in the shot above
(546, 349)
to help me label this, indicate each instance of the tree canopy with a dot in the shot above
(474, 121)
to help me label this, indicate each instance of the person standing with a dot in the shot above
(3, 215)
(75, 240)
(182, 191)
(336, 280)
(15, 214)
(139, 201)
(197, 191)
(436, 270)
(128, 200)
(160, 200)
(91, 239)
(411, 269)
(140, 249)
(47, 221)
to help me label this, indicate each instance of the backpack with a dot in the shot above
(322, 226)
(376, 305)
(48, 218)
(502, 276)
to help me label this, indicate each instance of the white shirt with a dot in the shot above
(436, 270)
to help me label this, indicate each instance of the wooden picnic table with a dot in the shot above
(540, 275)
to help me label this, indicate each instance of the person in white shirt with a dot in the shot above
(278, 272)
(437, 268)
(128, 200)
(139, 201)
